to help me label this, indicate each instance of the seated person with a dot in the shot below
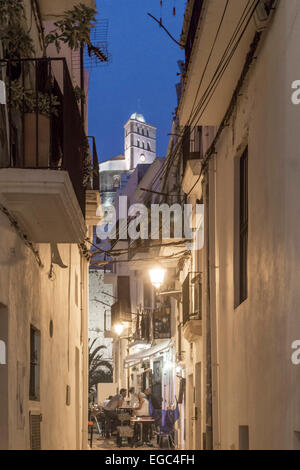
(143, 410)
(110, 410)
(106, 401)
(143, 406)
(134, 399)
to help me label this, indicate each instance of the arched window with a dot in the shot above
(148, 146)
(143, 145)
(143, 131)
(2, 353)
(147, 133)
(138, 143)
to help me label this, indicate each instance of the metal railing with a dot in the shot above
(94, 182)
(45, 129)
(143, 326)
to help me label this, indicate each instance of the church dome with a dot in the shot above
(137, 117)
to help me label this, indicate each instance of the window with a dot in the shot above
(143, 145)
(192, 297)
(147, 133)
(241, 281)
(143, 132)
(138, 143)
(116, 181)
(148, 146)
(35, 354)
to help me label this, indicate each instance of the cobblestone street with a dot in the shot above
(110, 444)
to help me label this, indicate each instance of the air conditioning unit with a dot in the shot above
(263, 14)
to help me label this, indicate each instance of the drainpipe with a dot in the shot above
(208, 426)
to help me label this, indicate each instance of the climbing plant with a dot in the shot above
(16, 41)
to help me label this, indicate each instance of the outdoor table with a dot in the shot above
(141, 420)
(124, 409)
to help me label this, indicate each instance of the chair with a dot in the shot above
(91, 431)
(124, 431)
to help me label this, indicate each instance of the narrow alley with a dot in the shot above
(149, 226)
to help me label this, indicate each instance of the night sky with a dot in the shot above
(141, 76)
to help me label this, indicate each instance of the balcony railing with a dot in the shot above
(192, 30)
(94, 180)
(143, 326)
(45, 129)
(192, 144)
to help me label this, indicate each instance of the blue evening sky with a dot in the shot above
(141, 76)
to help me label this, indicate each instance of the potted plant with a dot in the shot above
(37, 111)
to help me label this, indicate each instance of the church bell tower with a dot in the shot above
(140, 142)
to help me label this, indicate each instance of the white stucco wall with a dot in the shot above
(259, 386)
(31, 298)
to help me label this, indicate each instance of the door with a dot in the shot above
(3, 378)
(197, 410)
(191, 409)
(157, 380)
(77, 397)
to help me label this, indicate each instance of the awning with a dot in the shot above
(146, 353)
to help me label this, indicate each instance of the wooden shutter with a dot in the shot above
(35, 431)
(186, 299)
(124, 294)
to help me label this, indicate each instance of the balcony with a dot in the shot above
(142, 328)
(118, 316)
(192, 307)
(51, 9)
(93, 204)
(44, 163)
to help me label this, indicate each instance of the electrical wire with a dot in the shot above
(194, 114)
(217, 75)
(206, 97)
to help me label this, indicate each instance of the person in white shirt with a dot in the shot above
(143, 407)
(143, 410)
(134, 399)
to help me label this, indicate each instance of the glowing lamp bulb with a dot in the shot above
(119, 329)
(157, 276)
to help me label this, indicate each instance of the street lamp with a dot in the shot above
(119, 328)
(157, 276)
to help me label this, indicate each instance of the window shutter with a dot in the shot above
(35, 431)
(124, 294)
(186, 299)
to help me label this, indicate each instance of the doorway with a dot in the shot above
(3, 377)
(157, 380)
(191, 405)
(77, 397)
(197, 410)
